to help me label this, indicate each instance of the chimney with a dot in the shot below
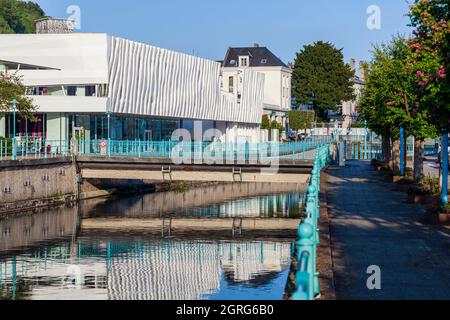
(353, 65)
(256, 45)
(362, 70)
(53, 25)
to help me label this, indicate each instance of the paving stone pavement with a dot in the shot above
(371, 224)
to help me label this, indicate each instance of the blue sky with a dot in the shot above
(208, 27)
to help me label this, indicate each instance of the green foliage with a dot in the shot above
(302, 119)
(18, 16)
(321, 78)
(6, 145)
(265, 124)
(358, 125)
(390, 98)
(275, 125)
(11, 87)
(430, 58)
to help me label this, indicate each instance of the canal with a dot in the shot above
(193, 245)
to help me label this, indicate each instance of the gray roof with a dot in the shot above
(259, 57)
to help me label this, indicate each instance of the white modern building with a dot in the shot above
(79, 80)
(277, 78)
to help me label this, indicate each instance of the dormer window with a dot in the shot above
(263, 61)
(244, 61)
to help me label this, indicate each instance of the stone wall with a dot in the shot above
(36, 182)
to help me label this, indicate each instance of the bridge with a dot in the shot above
(199, 162)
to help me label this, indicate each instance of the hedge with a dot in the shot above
(301, 119)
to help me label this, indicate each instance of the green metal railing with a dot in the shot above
(359, 148)
(27, 148)
(216, 151)
(307, 278)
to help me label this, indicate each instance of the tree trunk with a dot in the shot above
(396, 155)
(386, 148)
(419, 155)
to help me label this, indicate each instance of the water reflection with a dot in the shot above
(31, 230)
(48, 255)
(246, 200)
(148, 270)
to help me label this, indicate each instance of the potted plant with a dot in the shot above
(395, 177)
(419, 195)
(439, 214)
(404, 185)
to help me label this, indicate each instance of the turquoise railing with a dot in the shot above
(358, 148)
(202, 150)
(26, 148)
(307, 285)
(39, 148)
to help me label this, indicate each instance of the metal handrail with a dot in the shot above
(307, 278)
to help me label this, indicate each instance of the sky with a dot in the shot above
(208, 27)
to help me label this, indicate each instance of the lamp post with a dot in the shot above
(444, 158)
(14, 150)
(108, 114)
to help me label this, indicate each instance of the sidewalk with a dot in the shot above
(373, 225)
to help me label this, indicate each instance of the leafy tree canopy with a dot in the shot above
(390, 98)
(18, 16)
(430, 58)
(11, 88)
(321, 78)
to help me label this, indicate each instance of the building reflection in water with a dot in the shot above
(245, 200)
(155, 270)
(43, 256)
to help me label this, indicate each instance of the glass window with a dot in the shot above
(231, 84)
(243, 61)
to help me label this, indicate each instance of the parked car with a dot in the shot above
(302, 136)
(440, 156)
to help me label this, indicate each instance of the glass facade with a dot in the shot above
(34, 128)
(93, 127)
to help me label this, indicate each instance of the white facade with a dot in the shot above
(277, 85)
(277, 79)
(350, 108)
(129, 78)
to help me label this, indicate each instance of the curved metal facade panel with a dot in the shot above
(151, 81)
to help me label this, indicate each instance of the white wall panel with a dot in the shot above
(144, 80)
(150, 81)
(81, 58)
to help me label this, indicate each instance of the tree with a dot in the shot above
(321, 78)
(11, 87)
(265, 123)
(19, 16)
(390, 101)
(430, 58)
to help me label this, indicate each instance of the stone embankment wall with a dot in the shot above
(34, 183)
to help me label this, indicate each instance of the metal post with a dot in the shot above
(305, 277)
(109, 133)
(444, 159)
(402, 151)
(365, 140)
(14, 147)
